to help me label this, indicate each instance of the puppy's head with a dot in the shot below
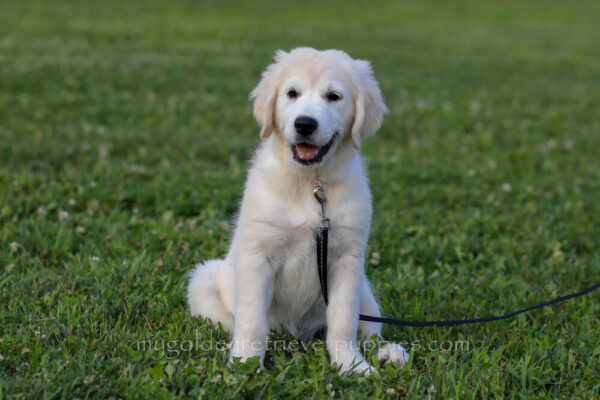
(316, 101)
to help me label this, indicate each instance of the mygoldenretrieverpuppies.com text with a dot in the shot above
(173, 349)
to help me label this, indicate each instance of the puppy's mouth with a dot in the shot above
(307, 153)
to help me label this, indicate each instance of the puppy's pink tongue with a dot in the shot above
(307, 151)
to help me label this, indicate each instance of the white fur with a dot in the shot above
(268, 280)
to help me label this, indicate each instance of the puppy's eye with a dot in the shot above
(292, 93)
(333, 96)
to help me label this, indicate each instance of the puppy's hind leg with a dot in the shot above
(387, 352)
(204, 295)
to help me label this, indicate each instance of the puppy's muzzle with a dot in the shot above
(305, 125)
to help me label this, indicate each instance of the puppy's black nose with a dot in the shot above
(305, 125)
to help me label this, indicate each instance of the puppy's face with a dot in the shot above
(314, 110)
(312, 113)
(314, 99)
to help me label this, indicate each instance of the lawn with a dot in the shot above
(125, 134)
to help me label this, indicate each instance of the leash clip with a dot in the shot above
(319, 193)
(320, 196)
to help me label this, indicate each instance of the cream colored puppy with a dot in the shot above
(315, 108)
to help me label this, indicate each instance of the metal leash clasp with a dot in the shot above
(319, 194)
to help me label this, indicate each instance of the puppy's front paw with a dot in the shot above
(361, 368)
(353, 363)
(392, 352)
(252, 361)
(244, 354)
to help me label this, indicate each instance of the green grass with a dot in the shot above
(125, 133)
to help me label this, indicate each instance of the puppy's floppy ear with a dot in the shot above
(369, 107)
(265, 95)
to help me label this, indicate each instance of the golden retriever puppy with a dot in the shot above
(315, 108)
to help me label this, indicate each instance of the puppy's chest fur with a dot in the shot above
(292, 254)
(296, 288)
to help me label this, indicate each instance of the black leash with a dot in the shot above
(321, 239)
(322, 235)
(382, 320)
